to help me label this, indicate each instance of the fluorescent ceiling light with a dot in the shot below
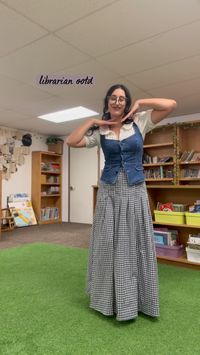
(70, 114)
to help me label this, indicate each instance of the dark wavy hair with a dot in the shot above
(106, 114)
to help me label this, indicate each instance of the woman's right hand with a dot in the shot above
(99, 123)
(76, 138)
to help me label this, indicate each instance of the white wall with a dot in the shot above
(21, 180)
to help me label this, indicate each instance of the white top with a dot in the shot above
(142, 119)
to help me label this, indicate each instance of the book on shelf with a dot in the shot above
(194, 241)
(158, 173)
(190, 155)
(148, 159)
(50, 167)
(48, 213)
(190, 173)
(166, 237)
(53, 179)
(196, 157)
(166, 159)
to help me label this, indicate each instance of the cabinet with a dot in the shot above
(47, 186)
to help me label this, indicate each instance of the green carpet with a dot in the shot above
(44, 309)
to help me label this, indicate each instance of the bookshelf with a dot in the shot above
(180, 189)
(178, 194)
(160, 153)
(188, 153)
(47, 186)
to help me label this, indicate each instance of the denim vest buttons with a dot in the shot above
(125, 154)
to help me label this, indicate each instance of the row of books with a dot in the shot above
(48, 213)
(50, 166)
(190, 173)
(148, 159)
(190, 155)
(53, 179)
(52, 190)
(194, 241)
(158, 173)
(163, 236)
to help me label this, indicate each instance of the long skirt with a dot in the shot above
(122, 275)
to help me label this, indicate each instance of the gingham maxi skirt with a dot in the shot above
(122, 268)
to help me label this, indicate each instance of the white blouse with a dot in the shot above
(142, 119)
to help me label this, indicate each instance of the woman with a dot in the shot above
(122, 269)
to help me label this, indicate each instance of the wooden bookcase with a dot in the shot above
(160, 148)
(188, 140)
(47, 186)
(185, 190)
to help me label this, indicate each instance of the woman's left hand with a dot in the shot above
(133, 110)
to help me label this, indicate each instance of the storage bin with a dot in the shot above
(192, 218)
(169, 217)
(193, 255)
(166, 250)
(56, 148)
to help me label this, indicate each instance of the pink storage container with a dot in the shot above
(166, 250)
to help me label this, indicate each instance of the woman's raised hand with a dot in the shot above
(99, 122)
(131, 113)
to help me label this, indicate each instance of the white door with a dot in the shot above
(83, 174)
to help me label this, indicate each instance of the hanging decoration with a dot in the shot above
(14, 146)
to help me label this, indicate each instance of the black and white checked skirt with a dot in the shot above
(122, 267)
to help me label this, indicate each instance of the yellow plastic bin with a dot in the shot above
(169, 217)
(192, 218)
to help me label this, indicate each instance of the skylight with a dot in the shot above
(70, 114)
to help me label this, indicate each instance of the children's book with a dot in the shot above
(22, 209)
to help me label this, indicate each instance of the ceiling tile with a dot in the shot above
(7, 116)
(157, 51)
(168, 74)
(43, 56)
(16, 31)
(179, 90)
(55, 14)
(127, 22)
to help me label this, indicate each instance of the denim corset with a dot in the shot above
(125, 154)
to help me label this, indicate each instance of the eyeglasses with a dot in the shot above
(113, 99)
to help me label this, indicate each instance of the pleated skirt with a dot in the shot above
(122, 275)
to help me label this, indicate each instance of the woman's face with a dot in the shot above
(117, 103)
